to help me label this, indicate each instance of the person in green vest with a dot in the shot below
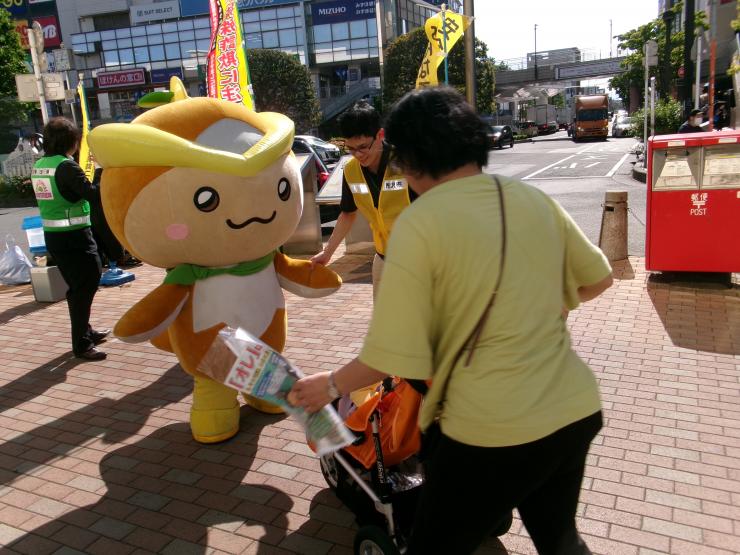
(63, 194)
(370, 185)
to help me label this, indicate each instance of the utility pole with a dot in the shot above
(611, 39)
(535, 53)
(699, 47)
(36, 43)
(688, 66)
(712, 59)
(665, 74)
(469, 53)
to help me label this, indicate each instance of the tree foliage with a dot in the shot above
(11, 62)
(634, 41)
(668, 118)
(282, 84)
(404, 56)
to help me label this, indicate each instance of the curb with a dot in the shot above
(527, 140)
(639, 173)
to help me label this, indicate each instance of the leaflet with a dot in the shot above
(241, 361)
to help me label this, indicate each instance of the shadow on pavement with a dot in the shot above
(20, 310)
(166, 486)
(700, 319)
(37, 381)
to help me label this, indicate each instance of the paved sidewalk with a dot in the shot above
(98, 458)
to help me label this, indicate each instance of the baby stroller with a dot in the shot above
(379, 477)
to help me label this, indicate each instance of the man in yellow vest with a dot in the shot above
(370, 185)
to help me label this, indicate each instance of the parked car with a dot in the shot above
(528, 128)
(500, 135)
(322, 170)
(622, 127)
(327, 152)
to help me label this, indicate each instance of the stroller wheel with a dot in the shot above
(333, 472)
(373, 540)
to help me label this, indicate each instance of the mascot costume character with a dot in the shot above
(209, 190)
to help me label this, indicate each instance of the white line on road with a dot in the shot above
(616, 166)
(573, 177)
(592, 165)
(573, 165)
(531, 175)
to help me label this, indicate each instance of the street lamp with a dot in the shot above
(535, 52)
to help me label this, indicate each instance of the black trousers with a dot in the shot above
(76, 255)
(470, 490)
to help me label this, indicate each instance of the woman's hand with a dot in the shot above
(311, 392)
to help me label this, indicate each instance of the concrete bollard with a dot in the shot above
(613, 234)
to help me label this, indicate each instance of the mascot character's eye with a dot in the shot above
(284, 189)
(206, 199)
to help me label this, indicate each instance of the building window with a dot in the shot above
(108, 21)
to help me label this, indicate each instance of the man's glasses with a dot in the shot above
(360, 149)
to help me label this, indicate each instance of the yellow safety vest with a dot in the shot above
(394, 197)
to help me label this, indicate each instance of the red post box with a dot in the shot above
(693, 202)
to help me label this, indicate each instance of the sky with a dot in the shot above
(507, 27)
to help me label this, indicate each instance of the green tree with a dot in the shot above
(282, 84)
(404, 56)
(634, 40)
(11, 62)
(668, 118)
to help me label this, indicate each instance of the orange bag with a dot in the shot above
(399, 425)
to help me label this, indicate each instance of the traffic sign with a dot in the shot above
(28, 91)
(651, 53)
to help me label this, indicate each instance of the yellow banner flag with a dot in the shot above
(453, 26)
(228, 72)
(86, 160)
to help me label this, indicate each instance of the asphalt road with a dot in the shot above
(577, 175)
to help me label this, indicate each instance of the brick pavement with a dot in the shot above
(98, 458)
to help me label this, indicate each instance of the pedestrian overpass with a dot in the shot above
(509, 81)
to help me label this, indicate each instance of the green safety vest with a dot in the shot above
(57, 213)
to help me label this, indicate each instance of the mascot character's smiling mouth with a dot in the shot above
(244, 224)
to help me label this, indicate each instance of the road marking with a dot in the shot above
(592, 165)
(531, 175)
(573, 165)
(573, 177)
(616, 166)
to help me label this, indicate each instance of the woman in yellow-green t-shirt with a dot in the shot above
(517, 415)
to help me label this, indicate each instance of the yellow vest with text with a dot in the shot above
(393, 198)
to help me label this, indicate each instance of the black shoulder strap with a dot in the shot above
(472, 340)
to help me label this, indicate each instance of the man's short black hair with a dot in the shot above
(434, 131)
(60, 136)
(360, 120)
(695, 112)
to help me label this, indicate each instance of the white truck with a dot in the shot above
(545, 116)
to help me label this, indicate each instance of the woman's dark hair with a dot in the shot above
(60, 136)
(435, 131)
(360, 120)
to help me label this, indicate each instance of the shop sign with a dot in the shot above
(340, 11)
(141, 13)
(15, 7)
(163, 75)
(52, 36)
(200, 7)
(126, 78)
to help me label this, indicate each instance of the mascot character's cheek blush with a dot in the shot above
(177, 232)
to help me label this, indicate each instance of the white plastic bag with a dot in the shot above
(15, 268)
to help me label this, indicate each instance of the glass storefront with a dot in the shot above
(343, 41)
(185, 42)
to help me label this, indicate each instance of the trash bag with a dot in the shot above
(15, 268)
